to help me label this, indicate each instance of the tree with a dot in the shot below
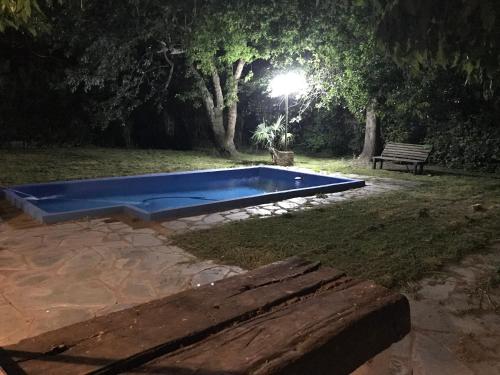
(224, 38)
(346, 65)
(456, 34)
(126, 61)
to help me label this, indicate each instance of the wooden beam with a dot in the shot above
(314, 308)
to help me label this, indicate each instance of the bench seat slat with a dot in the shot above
(404, 150)
(408, 146)
(398, 156)
(397, 159)
(421, 154)
(407, 150)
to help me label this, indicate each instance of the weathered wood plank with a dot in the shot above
(412, 154)
(415, 145)
(410, 161)
(332, 332)
(134, 336)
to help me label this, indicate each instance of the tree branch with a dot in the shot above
(206, 96)
(239, 69)
(171, 72)
(219, 97)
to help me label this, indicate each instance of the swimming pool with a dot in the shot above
(170, 195)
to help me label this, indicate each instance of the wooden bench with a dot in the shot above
(290, 317)
(404, 153)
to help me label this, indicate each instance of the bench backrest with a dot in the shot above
(407, 151)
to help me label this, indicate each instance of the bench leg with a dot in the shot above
(415, 169)
(374, 164)
(381, 164)
(421, 169)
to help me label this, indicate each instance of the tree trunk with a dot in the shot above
(373, 140)
(232, 113)
(214, 105)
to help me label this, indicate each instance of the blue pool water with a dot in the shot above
(170, 194)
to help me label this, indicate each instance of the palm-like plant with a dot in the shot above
(271, 136)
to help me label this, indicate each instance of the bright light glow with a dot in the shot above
(287, 84)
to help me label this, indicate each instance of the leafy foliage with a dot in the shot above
(120, 66)
(460, 34)
(24, 15)
(333, 132)
(473, 143)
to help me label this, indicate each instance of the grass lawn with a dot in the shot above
(392, 238)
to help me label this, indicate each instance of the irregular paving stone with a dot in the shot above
(429, 357)
(114, 277)
(54, 318)
(82, 263)
(29, 278)
(174, 250)
(153, 261)
(194, 218)
(22, 244)
(213, 274)
(11, 321)
(112, 237)
(258, 212)
(170, 281)
(213, 219)
(118, 226)
(209, 276)
(238, 216)
(11, 261)
(198, 226)
(466, 273)
(79, 241)
(144, 240)
(270, 207)
(144, 231)
(136, 290)
(436, 290)
(287, 205)
(175, 225)
(298, 200)
(336, 198)
(61, 292)
(47, 258)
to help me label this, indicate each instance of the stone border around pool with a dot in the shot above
(373, 186)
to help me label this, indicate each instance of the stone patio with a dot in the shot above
(52, 276)
(55, 275)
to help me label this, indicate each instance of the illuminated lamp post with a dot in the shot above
(287, 84)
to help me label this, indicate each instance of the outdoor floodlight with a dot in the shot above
(287, 84)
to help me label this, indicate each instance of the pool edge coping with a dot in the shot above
(175, 213)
